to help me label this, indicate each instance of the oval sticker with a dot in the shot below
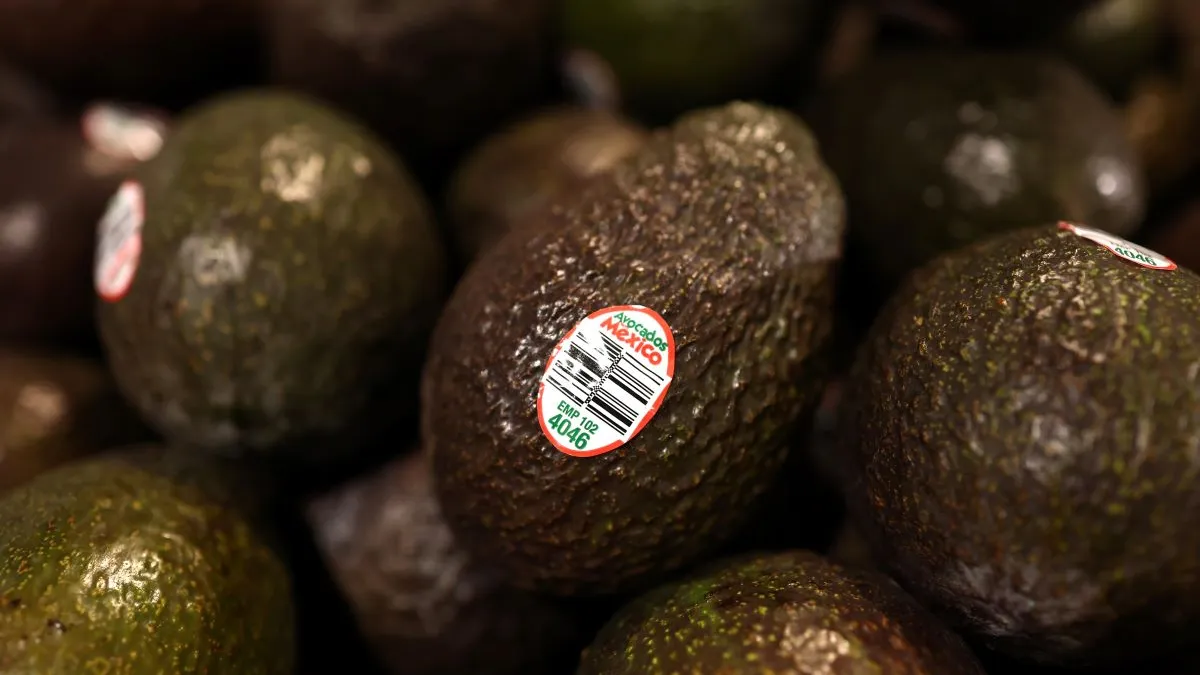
(1121, 248)
(605, 379)
(123, 133)
(119, 242)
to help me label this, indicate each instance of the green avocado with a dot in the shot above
(427, 606)
(1020, 439)
(706, 258)
(669, 56)
(939, 148)
(55, 408)
(433, 77)
(139, 562)
(284, 281)
(791, 612)
(530, 165)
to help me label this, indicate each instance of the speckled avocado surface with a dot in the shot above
(529, 166)
(937, 149)
(427, 606)
(136, 563)
(1021, 429)
(782, 614)
(288, 278)
(728, 226)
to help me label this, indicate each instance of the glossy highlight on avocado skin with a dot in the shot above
(729, 226)
(130, 564)
(790, 613)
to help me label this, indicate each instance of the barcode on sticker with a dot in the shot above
(606, 380)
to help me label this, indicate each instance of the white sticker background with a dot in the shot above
(119, 242)
(123, 133)
(605, 380)
(1126, 250)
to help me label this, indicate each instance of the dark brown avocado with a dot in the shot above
(790, 612)
(21, 97)
(425, 604)
(528, 166)
(166, 51)
(140, 562)
(52, 194)
(937, 148)
(55, 408)
(268, 282)
(724, 231)
(432, 76)
(1021, 433)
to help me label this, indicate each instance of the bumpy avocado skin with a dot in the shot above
(55, 408)
(135, 563)
(791, 612)
(528, 166)
(937, 149)
(729, 226)
(674, 55)
(427, 605)
(1020, 439)
(289, 277)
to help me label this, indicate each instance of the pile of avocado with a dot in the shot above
(636, 337)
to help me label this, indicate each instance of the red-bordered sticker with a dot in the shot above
(119, 242)
(1126, 250)
(605, 379)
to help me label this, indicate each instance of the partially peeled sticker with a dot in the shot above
(1126, 250)
(119, 242)
(605, 380)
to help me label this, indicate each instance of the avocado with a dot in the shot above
(790, 612)
(21, 97)
(1162, 120)
(52, 193)
(1019, 439)
(427, 606)
(166, 51)
(1013, 21)
(531, 164)
(937, 148)
(671, 56)
(1115, 41)
(610, 390)
(433, 77)
(1179, 238)
(282, 288)
(137, 562)
(55, 407)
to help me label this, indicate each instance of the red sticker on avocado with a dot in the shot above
(119, 242)
(606, 379)
(1126, 250)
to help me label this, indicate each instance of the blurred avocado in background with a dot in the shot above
(524, 168)
(169, 52)
(53, 190)
(55, 408)
(430, 76)
(940, 147)
(669, 56)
